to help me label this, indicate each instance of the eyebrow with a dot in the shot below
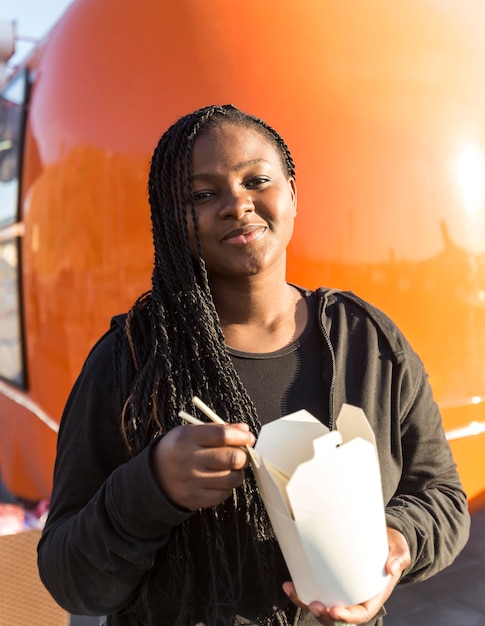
(236, 168)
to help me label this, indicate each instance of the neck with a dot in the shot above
(259, 315)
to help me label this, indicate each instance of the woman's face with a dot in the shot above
(245, 203)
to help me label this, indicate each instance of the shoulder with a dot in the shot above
(105, 347)
(100, 374)
(355, 315)
(93, 402)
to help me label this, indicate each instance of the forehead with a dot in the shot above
(232, 141)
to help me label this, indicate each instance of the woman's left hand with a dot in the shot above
(398, 560)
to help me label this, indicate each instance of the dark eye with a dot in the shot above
(256, 181)
(200, 196)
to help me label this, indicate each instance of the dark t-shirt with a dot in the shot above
(289, 379)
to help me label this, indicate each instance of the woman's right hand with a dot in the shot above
(198, 466)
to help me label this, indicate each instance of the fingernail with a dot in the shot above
(240, 457)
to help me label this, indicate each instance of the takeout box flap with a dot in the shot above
(352, 422)
(288, 441)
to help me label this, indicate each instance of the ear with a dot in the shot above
(292, 184)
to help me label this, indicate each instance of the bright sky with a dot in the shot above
(34, 19)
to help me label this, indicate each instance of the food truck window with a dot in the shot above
(12, 119)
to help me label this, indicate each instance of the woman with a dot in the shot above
(157, 523)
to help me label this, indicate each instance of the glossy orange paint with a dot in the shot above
(384, 110)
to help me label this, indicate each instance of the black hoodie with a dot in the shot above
(108, 519)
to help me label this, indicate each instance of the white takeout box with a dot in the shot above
(329, 516)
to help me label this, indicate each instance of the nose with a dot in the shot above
(236, 203)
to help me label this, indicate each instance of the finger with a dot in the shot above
(395, 566)
(289, 589)
(399, 554)
(200, 490)
(318, 609)
(220, 435)
(322, 614)
(220, 460)
(223, 480)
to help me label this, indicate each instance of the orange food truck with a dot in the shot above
(383, 108)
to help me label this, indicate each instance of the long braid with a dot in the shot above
(177, 351)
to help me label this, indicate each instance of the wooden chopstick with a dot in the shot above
(190, 418)
(207, 410)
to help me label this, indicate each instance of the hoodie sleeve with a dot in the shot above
(378, 370)
(429, 505)
(108, 517)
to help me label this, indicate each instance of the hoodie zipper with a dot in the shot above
(321, 306)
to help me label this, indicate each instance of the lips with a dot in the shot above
(245, 234)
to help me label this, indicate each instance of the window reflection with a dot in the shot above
(10, 333)
(11, 109)
(11, 136)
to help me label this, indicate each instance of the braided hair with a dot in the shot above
(177, 351)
